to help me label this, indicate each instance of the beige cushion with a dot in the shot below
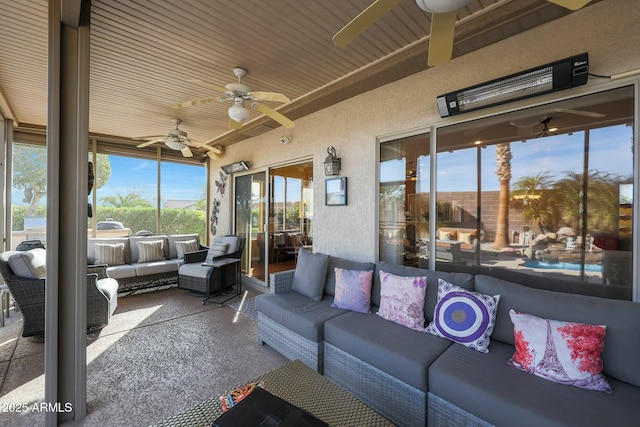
(30, 264)
(444, 235)
(110, 254)
(150, 251)
(465, 237)
(186, 246)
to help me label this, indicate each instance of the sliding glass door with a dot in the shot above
(276, 227)
(250, 201)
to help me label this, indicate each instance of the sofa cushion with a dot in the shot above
(310, 275)
(233, 242)
(173, 239)
(298, 313)
(186, 246)
(125, 271)
(108, 286)
(461, 279)
(484, 385)
(93, 241)
(218, 249)
(401, 352)
(30, 264)
(402, 299)
(110, 254)
(330, 286)
(575, 348)
(353, 290)
(156, 267)
(150, 251)
(463, 316)
(135, 251)
(622, 344)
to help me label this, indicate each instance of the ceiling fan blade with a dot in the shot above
(195, 102)
(215, 87)
(274, 115)
(153, 141)
(443, 26)
(570, 4)
(140, 138)
(234, 125)
(186, 152)
(269, 96)
(363, 21)
(580, 113)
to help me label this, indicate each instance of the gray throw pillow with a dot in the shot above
(310, 275)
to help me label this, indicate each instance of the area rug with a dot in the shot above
(246, 307)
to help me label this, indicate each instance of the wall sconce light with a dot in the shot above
(332, 163)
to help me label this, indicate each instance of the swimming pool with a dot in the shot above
(562, 266)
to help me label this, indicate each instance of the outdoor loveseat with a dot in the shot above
(413, 377)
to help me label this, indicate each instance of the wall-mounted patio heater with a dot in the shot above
(564, 74)
(235, 167)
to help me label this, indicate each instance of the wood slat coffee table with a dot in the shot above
(300, 385)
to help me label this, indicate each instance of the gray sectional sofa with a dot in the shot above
(415, 378)
(132, 274)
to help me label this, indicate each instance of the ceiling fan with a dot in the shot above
(443, 22)
(177, 139)
(242, 96)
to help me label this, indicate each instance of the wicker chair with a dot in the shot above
(29, 295)
(199, 278)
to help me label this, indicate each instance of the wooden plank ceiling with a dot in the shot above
(144, 52)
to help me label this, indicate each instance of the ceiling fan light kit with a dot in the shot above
(177, 139)
(560, 75)
(238, 113)
(239, 93)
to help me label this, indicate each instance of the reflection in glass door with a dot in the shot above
(250, 191)
(290, 214)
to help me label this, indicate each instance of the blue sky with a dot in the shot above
(609, 150)
(178, 181)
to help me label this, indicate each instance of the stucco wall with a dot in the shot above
(607, 31)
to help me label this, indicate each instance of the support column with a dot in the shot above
(67, 184)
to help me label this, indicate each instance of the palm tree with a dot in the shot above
(534, 192)
(503, 170)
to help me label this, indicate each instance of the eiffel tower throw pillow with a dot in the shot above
(562, 352)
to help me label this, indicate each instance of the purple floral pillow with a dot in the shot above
(353, 290)
(402, 300)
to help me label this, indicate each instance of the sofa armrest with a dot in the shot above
(193, 257)
(99, 269)
(281, 281)
(97, 303)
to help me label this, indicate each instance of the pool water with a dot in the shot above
(562, 266)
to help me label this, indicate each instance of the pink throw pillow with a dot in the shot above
(562, 352)
(402, 300)
(353, 290)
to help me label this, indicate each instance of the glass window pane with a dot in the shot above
(184, 198)
(28, 193)
(555, 192)
(404, 199)
(128, 197)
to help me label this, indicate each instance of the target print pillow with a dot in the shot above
(464, 316)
